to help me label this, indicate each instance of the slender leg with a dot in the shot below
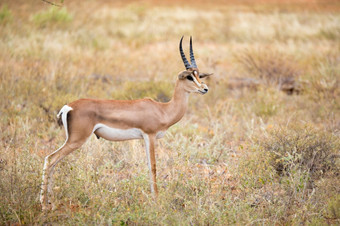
(150, 153)
(50, 162)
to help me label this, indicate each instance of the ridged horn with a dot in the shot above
(192, 57)
(185, 61)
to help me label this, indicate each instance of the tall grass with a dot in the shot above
(245, 153)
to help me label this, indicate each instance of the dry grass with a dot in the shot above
(245, 153)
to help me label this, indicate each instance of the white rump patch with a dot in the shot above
(64, 109)
(63, 112)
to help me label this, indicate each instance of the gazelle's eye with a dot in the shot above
(190, 78)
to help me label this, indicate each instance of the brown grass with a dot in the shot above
(243, 153)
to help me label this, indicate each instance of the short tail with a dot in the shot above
(63, 119)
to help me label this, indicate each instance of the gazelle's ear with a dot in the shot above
(183, 74)
(203, 75)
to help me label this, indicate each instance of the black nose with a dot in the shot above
(206, 90)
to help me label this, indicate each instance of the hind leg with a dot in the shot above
(50, 162)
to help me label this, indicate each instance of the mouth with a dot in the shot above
(202, 92)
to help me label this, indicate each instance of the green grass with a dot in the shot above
(52, 16)
(5, 15)
(261, 147)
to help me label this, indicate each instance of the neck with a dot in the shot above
(177, 106)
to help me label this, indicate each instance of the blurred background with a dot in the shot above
(261, 147)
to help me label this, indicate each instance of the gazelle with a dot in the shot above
(119, 120)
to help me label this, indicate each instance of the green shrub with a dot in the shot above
(52, 16)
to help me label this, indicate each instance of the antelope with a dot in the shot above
(120, 120)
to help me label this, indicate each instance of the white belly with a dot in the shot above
(114, 134)
(160, 134)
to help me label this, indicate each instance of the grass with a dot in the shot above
(52, 16)
(262, 147)
(5, 15)
(271, 68)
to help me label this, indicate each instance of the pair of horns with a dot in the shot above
(192, 58)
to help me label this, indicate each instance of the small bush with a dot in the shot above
(5, 15)
(52, 16)
(271, 68)
(305, 149)
(305, 161)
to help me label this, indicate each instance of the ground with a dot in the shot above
(261, 147)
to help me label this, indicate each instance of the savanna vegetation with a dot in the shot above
(261, 148)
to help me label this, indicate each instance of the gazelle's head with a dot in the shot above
(190, 78)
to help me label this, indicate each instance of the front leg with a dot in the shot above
(150, 140)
